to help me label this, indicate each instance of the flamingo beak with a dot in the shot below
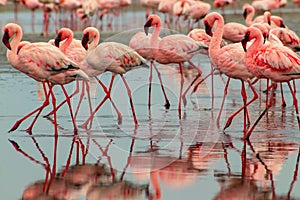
(57, 40)
(147, 25)
(85, 41)
(244, 41)
(282, 25)
(245, 13)
(5, 40)
(208, 29)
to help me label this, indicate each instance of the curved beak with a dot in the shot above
(245, 13)
(85, 41)
(244, 42)
(147, 26)
(282, 25)
(5, 40)
(208, 29)
(57, 40)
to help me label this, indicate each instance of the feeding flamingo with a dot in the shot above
(176, 48)
(42, 62)
(109, 56)
(270, 60)
(229, 60)
(76, 52)
(141, 43)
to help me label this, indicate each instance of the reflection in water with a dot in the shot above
(259, 171)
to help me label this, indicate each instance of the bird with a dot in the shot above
(233, 31)
(265, 5)
(42, 62)
(229, 60)
(76, 52)
(109, 56)
(140, 42)
(32, 5)
(177, 48)
(273, 61)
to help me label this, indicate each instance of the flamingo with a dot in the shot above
(109, 56)
(32, 5)
(270, 60)
(234, 32)
(222, 4)
(197, 11)
(141, 43)
(76, 52)
(229, 60)
(288, 37)
(166, 7)
(265, 5)
(42, 62)
(176, 48)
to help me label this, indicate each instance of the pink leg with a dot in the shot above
(130, 99)
(180, 93)
(150, 83)
(167, 103)
(80, 98)
(196, 86)
(108, 91)
(224, 97)
(295, 102)
(246, 114)
(255, 96)
(268, 105)
(70, 108)
(39, 110)
(64, 101)
(283, 104)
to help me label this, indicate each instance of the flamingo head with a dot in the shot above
(152, 20)
(251, 33)
(247, 8)
(63, 33)
(278, 21)
(90, 34)
(10, 30)
(209, 21)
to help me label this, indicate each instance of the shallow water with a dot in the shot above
(163, 157)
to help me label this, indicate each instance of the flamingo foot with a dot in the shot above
(29, 130)
(283, 104)
(15, 126)
(184, 101)
(167, 105)
(228, 123)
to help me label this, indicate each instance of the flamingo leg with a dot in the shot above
(167, 103)
(196, 86)
(223, 101)
(247, 136)
(39, 110)
(108, 91)
(180, 93)
(246, 114)
(70, 108)
(130, 99)
(80, 98)
(283, 104)
(64, 101)
(295, 102)
(150, 84)
(255, 96)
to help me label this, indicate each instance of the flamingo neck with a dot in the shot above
(257, 42)
(249, 17)
(95, 42)
(217, 37)
(155, 40)
(66, 44)
(16, 40)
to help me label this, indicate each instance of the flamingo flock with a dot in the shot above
(263, 48)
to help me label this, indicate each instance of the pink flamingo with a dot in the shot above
(32, 5)
(42, 62)
(197, 11)
(249, 12)
(234, 32)
(150, 5)
(109, 56)
(265, 5)
(275, 62)
(166, 7)
(222, 4)
(176, 48)
(229, 60)
(141, 43)
(76, 52)
(288, 37)
(70, 6)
